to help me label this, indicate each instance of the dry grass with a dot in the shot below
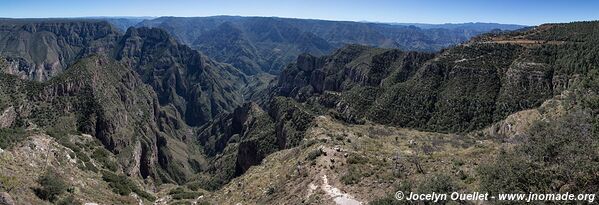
(29, 160)
(365, 161)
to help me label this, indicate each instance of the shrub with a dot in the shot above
(180, 193)
(8, 183)
(314, 154)
(58, 134)
(10, 136)
(271, 190)
(102, 156)
(357, 159)
(562, 152)
(438, 183)
(353, 176)
(194, 186)
(122, 185)
(70, 200)
(405, 186)
(52, 186)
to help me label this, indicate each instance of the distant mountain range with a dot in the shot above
(261, 110)
(185, 89)
(267, 44)
(477, 26)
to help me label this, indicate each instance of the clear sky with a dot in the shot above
(528, 12)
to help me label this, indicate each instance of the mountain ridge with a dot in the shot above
(156, 121)
(317, 34)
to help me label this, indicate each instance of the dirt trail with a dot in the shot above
(338, 196)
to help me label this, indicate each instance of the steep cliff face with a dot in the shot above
(196, 86)
(122, 113)
(347, 68)
(138, 93)
(101, 97)
(278, 41)
(268, 43)
(254, 45)
(460, 89)
(237, 141)
(39, 50)
(227, 43)
(168, 113)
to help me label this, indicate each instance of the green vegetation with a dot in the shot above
(85, 150)
(51, 186)
(69, 200)
(248, 135)
(8, 183)
(11, 136)
(293, 117)
(358, 168)
(466, 88)
(557, 155)
(356, 159)
(194, 186)
(101, 155)
(122, 185)
(353, 175)
(436, 182)
(180, 193)
(312, 155)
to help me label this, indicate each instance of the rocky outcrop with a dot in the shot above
(272, 43)
(291, 121)
(354, 65)
(254, 45)
(196, 86)
(105, 91)
(240, 140)
(217, 135)
(236, 141)
(461, 89)
(39, 50)
(6, 199)
(38, 154)
(8, 117)
(101, 97)
(228, 43)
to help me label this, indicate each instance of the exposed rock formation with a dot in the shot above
(239, 140)
(6, 199)
(461, 89)
(196, 86)
(100, 97)
(39, 50)
(8, 117)
(104, 92)
(271, 43)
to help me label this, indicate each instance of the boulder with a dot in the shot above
(8, 117)
(6, 199)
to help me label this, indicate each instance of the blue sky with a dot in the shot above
(528, 12)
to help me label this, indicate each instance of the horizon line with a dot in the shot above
(282, 17)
